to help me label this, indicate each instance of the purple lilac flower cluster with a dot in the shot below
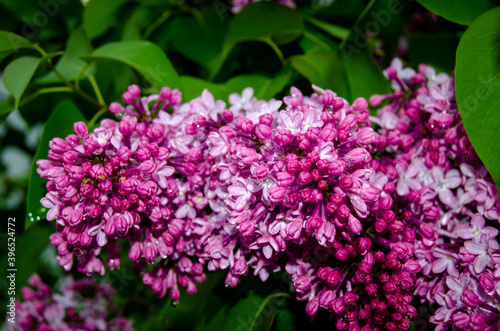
(445, 194)
(80, 305)
(361, 220)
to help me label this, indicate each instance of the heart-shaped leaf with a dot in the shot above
(144, 56)
(477, 80)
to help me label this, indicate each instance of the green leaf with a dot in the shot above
(10, 42)
(18, 74)
(254, 312)
(264, 88)
(434, 49)
(284, 321)
(100, 15)
(324, 69)
(477, 81)
(332, 29)
(144, 56)
(265, 20)
(70, 65)
(349, 76)
(200, 38)
(364, 77)
(59, 124)
(459, 11)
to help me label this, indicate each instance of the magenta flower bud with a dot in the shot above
(260, 171)
(263, 132)
(302, 284)
(325, 298)
(342, 254)
(390, 287)
(346, 182)
(323, 272)
(431, 213)
(355, 225)
(134, 91)
(98, 172)
(240, 267)
(333, 278)
(190, 129)
(143, 154)
(427, 231)
(80, 129)
(247, 228)
(412, 266)
(364, 245)
(370, 194)
(285, 179)
(147, 167)
(357, 155)
(336, 167)
(293, 230)
(366, 136)
(276, 193)
(470, 298)
(58, 145)
(266, 119)
(304, 178)
(360, 104)
(409, 235)
(338, 305)
(478, 322)
(396, 227)
(487, 282)
(350, 298)
(312, 307)
(460, 320)
(375, 100)
(116, 108)
(135, 251)
(304, 144)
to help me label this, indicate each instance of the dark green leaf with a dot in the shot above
(324, 69)
(18, 74)
(284, 321)
(99, 16)
(59, 124)
(434, 49)
(192, 87)
(265, 20)
(459, 11)
(313, 41)
(145, 57)
(200, 38)
(477, 80)
(10, 41)
(70, 65)
(253, 313)
(332, 29)
(364, 77)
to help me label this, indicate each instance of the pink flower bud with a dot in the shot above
(470, 298)
(263, 132)
(487, 282)
(312, 307)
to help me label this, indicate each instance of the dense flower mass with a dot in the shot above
(79, 305)
(361, 219)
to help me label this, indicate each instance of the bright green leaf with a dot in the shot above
(254, 313)
(70, 65)
(100, 15)
(18, 74)
(144, 56)
(477, 81)
(59, 124)
(459, 11)
(10, 41)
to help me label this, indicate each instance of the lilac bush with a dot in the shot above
(362, 212)
(79, 305)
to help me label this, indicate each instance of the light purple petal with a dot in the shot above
(474, 248)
